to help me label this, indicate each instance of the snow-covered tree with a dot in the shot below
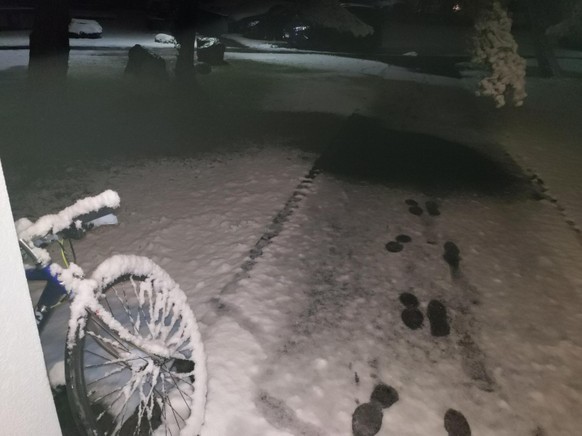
(495, 47)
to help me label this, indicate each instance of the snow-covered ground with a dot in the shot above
(300, 335)
(118, 31)
(320, 308)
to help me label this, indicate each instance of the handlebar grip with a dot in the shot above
(92, 216)
(102, 217)
(67, 217)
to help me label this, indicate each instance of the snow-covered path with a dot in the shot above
(328, 327)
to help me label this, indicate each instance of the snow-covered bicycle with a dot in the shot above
(134, 360)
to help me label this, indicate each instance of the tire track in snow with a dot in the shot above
(545, 194)
(272, 409)
(221, 307)
(273, 229)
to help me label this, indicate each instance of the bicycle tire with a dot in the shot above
(135, 362)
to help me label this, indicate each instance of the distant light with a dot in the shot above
(457, 7)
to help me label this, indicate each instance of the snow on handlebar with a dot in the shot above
(82, 212)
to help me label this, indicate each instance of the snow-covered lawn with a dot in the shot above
(300, 335)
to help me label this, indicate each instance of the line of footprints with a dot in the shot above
(367, 418)
(436, 310)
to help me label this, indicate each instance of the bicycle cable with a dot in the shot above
(64, 254)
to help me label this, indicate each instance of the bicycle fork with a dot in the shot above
(53, 294)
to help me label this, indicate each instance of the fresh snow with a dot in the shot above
(320, 306)
(298, 337)
(56, 374)
(84, 28)
(164, 38)
(54, 223)
(345, 66)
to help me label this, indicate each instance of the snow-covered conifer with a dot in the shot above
(495, 47)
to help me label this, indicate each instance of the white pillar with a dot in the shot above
(26, 403)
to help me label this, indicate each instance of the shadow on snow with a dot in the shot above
(365, 151)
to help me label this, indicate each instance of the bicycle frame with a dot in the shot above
(54, 291)
(52, 294)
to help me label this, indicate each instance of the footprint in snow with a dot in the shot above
(436, 312)
(437, 316)
(403, 239)
(411, 316)
(367, 418)
(396, 246)
(456, 424)
(432, 208)
(452, 254)
(415, 210)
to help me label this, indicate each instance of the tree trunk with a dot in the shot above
(49, 42)
(547, 61)
(185, 33)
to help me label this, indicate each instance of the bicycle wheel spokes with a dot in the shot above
(135, 361)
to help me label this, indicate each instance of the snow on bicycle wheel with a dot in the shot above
(135, 361)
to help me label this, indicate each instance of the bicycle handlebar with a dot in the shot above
(83, 211)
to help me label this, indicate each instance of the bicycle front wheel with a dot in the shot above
(135, 363)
